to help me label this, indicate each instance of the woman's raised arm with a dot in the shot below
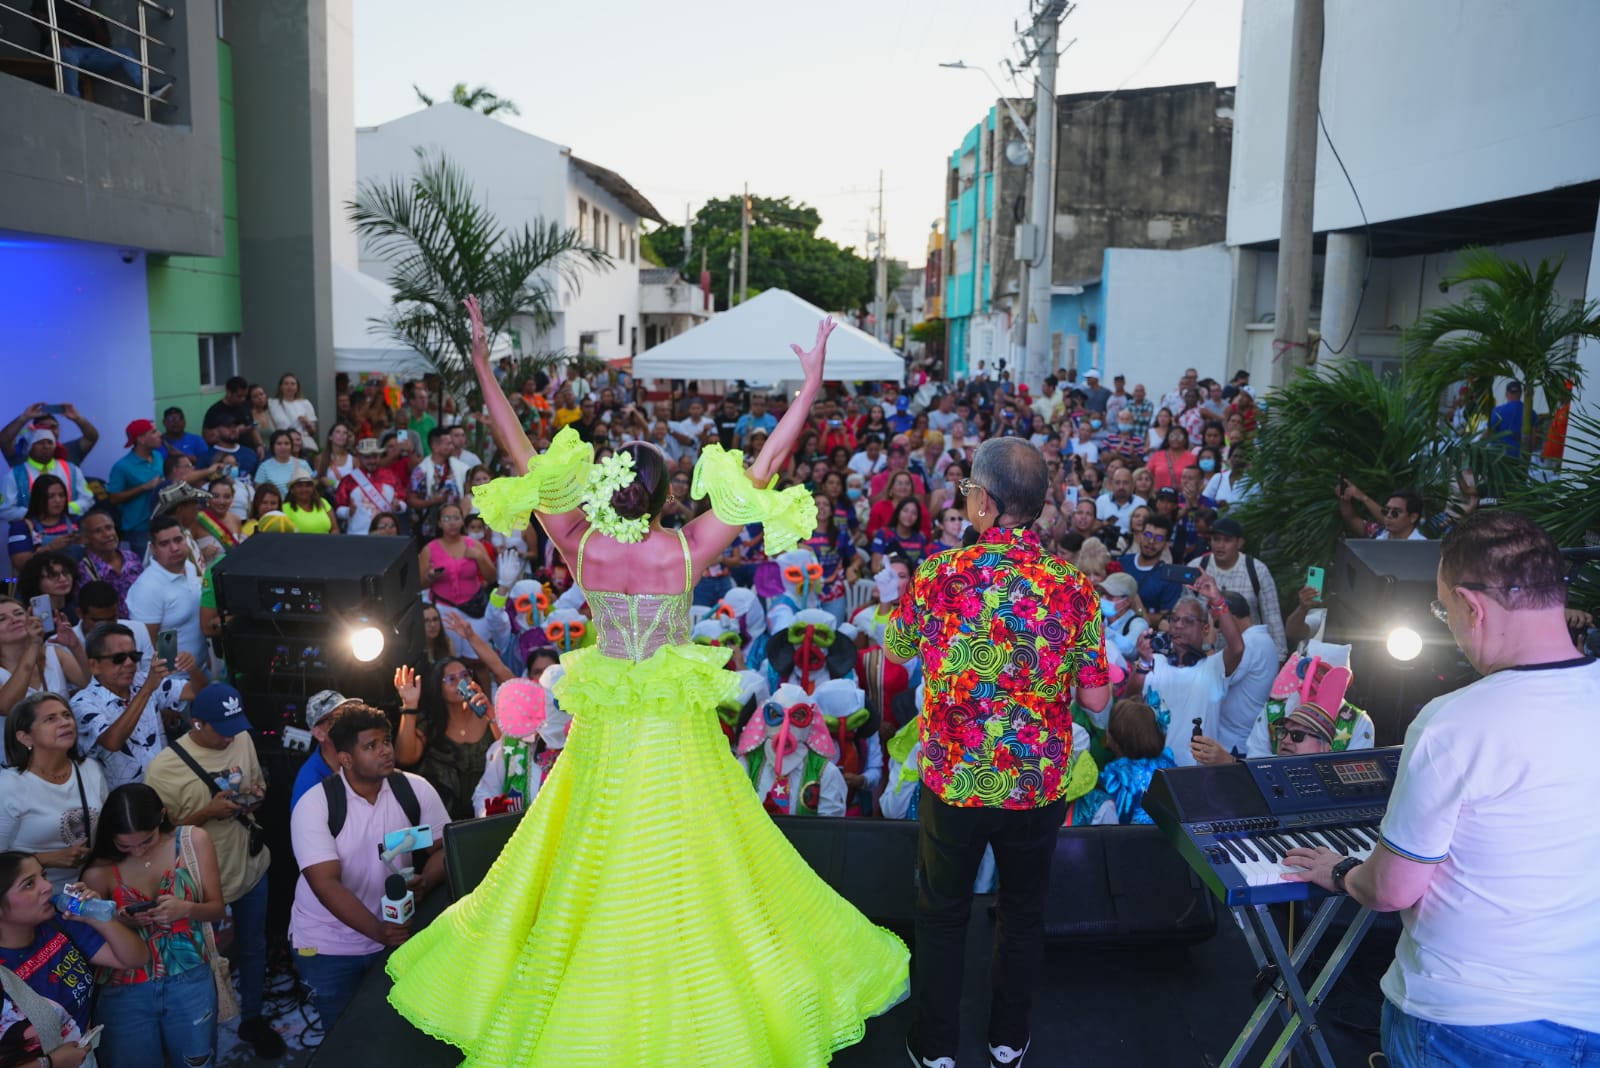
(787, 433)
(503, 421)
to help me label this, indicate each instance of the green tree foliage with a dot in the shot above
(785, 253)
(1568, 506)
(443, 243)
(478, 98)
(928, 330)
(1382, 433)
(1511, 323)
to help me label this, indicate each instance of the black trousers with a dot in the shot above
(949, 849)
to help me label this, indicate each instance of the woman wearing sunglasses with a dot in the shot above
(445, 728)
(595, 912)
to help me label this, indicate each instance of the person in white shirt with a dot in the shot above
(1226, 487)
(1119, 501)
(458, 437)
(50, 798)
(290, 411)
(121, 714)
(166, 595)
(944, 415)
(1249, 686)
(1083, 444)
(870, 460)
(694, 431)
(1192, 688)
(1047, 405)
(1490, 837)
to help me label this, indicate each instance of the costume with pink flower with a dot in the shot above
(602, 935)
(1310, 689)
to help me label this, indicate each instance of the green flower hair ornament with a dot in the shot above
(605, 478)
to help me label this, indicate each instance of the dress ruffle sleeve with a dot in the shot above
(786, 516)
(554, 484)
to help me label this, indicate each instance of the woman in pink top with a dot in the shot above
(1165, 466)
(454, 566)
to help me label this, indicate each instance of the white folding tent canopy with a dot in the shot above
(360, 344)
(752, 342)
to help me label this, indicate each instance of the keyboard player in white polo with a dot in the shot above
(1491, 842)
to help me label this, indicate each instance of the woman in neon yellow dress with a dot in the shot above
(644, 915)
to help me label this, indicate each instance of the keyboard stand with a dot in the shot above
(1287, 997)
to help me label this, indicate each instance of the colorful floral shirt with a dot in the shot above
(1005, 630)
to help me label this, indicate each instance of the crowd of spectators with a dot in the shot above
(1136, 484)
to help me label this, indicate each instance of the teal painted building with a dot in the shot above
(968, 226)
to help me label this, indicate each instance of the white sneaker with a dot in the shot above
(930, 1062)
(1006, 1057)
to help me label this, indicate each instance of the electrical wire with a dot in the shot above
(1135, 72)
(1366, 275)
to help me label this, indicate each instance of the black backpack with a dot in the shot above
(333, 788)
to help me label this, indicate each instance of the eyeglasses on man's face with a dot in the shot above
(1393, 513)
(1153, 536)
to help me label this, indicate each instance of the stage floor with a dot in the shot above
(1120, 1006)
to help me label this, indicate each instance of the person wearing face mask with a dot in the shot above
(1123, 613)
(1228, 487)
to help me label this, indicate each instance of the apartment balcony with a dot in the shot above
(113, 123)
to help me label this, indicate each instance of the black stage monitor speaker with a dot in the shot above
(291, 604)
(1375, 589)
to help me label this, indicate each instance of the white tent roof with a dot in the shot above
(359, 344)
(752, 342)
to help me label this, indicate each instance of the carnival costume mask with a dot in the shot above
(789, 722)
(566, 629)
(813, 643)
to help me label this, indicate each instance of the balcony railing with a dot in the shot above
(74, 61)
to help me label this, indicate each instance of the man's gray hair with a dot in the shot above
(1013, 472)
(1201, 607)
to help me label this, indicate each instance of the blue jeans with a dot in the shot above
(333, 980)
(106, 61)
(708, 591)
(171, 1020)
(1410, 1042)
(250, 937)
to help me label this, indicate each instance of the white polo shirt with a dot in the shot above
(1497, 786)
(171, 601)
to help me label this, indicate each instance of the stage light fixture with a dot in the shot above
(366, 642)
(1404, 643)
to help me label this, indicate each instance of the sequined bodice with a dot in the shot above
(632, 626)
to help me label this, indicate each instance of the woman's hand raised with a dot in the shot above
(480, 339)
(812, 361)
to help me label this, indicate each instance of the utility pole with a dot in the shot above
(1042, 211)
(730, 279)
(1290, 345)
(880, 309)
(744, 246)
(688, 236)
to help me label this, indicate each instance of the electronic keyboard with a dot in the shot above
(1234, 822)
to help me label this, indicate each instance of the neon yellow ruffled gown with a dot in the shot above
(647, 913)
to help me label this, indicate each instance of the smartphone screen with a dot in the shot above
(41, 607)
(1184, 576)
(1072, 496)
(55, 409)
(1314, 579)
(167, 648)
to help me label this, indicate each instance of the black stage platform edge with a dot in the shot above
(1108, 884)
(1161, 1006)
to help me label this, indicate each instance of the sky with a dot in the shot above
(691, 100)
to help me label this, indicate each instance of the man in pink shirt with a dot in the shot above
(334, 926)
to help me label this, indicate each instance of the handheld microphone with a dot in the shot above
(398, 903)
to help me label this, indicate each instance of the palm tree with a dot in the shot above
(442, 244)
(1568, 506)
(1513, 324)
(479, 98)
(1381, 433)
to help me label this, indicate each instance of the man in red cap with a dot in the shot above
(133, 482)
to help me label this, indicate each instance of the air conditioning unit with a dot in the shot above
(1027, 243)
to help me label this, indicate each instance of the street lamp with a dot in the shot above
(1018, 153)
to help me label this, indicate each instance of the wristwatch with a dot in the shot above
(1342, 869)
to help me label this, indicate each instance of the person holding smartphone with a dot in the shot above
(219, 744)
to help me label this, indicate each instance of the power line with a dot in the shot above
(1366, 275)
(1135, 72)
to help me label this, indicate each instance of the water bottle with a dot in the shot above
(98, 908)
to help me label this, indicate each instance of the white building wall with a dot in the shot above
(77, 331)
(1166, 310)
(1433, 104)
(523, 179)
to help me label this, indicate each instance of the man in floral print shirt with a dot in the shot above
(1008, 636)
